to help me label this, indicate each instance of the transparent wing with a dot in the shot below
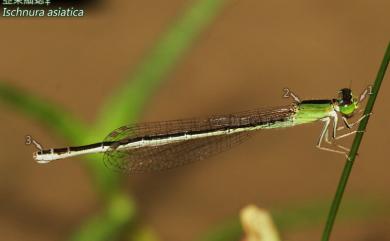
(157, 158)
(171, 155)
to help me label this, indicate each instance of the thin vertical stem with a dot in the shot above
(355, 147)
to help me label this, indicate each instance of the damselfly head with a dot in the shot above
(347, 102)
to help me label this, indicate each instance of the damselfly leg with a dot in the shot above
(325, 133)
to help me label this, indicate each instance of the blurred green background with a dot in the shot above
(70, 81)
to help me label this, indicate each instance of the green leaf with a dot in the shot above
(126, 103)
(62, 123)
(58, 119)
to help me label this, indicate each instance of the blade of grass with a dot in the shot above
(62, 123)
(127, 102)
(49, 114)
(355, 147)
(124, 106)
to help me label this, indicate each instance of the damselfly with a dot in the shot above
(164, 145)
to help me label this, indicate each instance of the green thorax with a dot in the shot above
(348, 109)
(312, 110)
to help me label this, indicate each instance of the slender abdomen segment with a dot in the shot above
(214, 126)
(48, 155)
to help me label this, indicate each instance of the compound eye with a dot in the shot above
(347, 100)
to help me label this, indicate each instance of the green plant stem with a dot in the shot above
(355, 147)
(63, 123)
(53, 116)
(125, 104)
